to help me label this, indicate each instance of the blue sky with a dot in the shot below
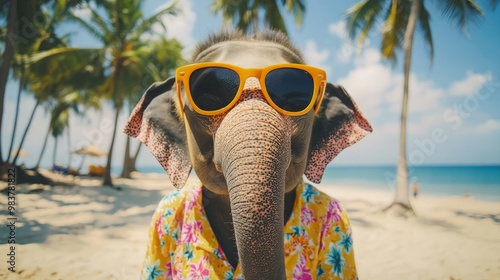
(454, 103)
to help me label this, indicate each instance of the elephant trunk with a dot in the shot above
(252, 149)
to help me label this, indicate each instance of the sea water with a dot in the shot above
(481, 182)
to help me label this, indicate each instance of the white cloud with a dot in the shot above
(83, 11)
(470, 84)
(378, 91)
(338, 29)
(180, 26)
(424, 95)
(426, 123)
(316, 57)
(488, 126)
(370, 83)
(368, 56)
(348, 48)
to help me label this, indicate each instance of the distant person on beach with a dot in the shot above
(415, 188)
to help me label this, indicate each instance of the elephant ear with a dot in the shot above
(339, 124)
(155, 123)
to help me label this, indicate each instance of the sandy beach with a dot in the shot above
(84, 231)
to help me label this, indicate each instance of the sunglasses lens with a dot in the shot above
(213, 88)
(290, 89)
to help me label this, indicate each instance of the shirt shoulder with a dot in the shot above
(336, 254)
(318, 242)
(173, 209)
(322, 204)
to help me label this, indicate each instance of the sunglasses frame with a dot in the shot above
(183, 74)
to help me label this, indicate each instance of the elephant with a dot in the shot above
(250, 153)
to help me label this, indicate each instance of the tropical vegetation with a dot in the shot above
(63, 78)
(400, 20)
(246, 15)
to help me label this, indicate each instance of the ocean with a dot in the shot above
(481, 182)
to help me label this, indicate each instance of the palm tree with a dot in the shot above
(52, 92)
(400, 19)
(22, 86)
(121, 28)
(59, 121)
(245, 14)
(7, 55)
(30, 120)
(60, 106)
(64, 81)
(48, 81)
(164, 58)
(46, 138)
(43, 38)
(19, 31)
(493, 4)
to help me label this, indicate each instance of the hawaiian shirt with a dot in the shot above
(182, 245)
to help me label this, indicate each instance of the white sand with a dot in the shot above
(449, 238)
(91, 232)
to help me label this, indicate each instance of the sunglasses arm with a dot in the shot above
(179, 96)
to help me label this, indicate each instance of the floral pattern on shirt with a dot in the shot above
(182, 245)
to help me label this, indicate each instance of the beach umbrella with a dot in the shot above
(22, 153)
(90, 150)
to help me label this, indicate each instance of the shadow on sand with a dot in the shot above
(494, 217)
(54, 209)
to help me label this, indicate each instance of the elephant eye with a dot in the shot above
(213, 88)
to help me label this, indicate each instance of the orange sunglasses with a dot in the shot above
(213, 88)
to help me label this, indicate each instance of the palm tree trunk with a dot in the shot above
(81, 164)
(127, 160)
(134, 159)
(255, 18)
(107, 171)
(8, 53)
(25, 132)
(401, 197)
(43, 148)
(54, 153)
(69, 147)
(16, 115)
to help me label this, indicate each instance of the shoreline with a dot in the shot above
(85, 231)
(389, 193)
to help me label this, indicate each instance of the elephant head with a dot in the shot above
(252, 155)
